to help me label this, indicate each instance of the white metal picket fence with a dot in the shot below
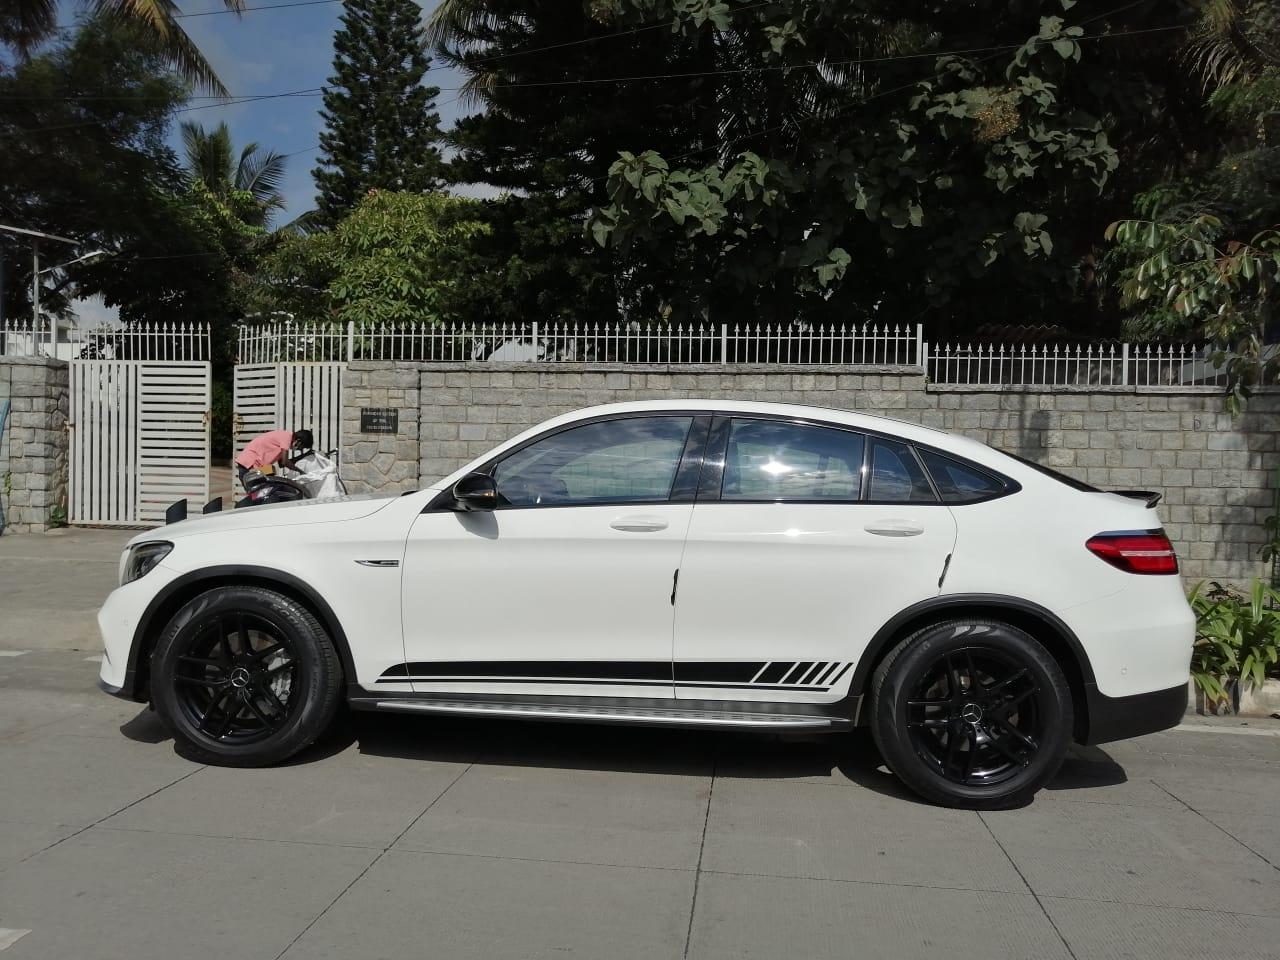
(160, 341)
(1075, 365)
(750, 343)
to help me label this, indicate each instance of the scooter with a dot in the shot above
(314, 477)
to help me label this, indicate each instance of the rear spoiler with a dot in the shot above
(1150, 496)
(177, 511)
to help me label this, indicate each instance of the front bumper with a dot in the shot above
(1119, 718)
(118, 621)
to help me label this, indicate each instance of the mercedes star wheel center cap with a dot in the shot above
(239, 677)
(971, 713)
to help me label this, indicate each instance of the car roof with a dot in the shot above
(864, 421)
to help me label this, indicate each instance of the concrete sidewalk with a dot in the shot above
(403, 837)
(52, 584)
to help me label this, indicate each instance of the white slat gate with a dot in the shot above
(139, 439)
(311, 397)
(288, 396)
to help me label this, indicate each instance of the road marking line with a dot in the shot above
(14, 653)
(97, 658)
(1238, 731)
(9, 937)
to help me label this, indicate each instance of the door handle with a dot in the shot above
(894, 528)
(639, 524)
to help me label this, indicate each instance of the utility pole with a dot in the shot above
(36, 237)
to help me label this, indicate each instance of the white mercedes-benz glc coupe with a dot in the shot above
(691, 563)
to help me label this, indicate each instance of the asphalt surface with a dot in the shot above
(52, 584)
(412, 837)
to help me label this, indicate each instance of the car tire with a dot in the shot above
(245, 677)
(971, 713)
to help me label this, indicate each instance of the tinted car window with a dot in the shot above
(612, 461)
(960, 482)
(896, 475)
(771, 460)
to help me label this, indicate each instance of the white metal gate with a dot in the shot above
(139, 439)
(289, 396)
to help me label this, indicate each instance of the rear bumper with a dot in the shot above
(1119, 718)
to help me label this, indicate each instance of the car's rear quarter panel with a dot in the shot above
(1136, 629)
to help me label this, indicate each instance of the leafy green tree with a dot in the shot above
(211, 162)
(381, 125)
(25, 24)
(1219, 289)
(545, 143)
(398, 257)
(1201, 260)
(78, 164)
(890, 176)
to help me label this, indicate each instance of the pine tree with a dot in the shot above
(381, 124)
(546, 143)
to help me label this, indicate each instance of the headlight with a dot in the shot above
(142, 558)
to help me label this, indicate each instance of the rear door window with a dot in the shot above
(776, 460)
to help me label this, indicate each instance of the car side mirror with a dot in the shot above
(475, 491)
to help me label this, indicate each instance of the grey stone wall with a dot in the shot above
(380, 463)
(1214, 471)
(33, 451)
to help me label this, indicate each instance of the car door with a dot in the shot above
(566, 587)
(806, 539)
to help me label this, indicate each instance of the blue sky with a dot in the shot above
(274, 51)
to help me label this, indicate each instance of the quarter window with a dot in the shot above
(960, 482)
(896, 474)
(773, 460)
(611, 461)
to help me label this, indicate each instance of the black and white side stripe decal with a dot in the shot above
(817, 675)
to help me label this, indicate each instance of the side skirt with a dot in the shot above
(732, 715)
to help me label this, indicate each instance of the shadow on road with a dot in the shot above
(851, 757)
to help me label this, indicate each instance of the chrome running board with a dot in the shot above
(591, 713)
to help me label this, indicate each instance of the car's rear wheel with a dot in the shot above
(971, 713)
(244, 676)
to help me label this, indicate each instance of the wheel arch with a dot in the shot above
(1045, 626)
(179, 592)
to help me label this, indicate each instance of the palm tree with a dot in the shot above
(211, 160)
(25, 24)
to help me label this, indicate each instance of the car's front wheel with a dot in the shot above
(243, 676)
(971, 713)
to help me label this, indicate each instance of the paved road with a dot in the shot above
(52, 584)
(409, 837)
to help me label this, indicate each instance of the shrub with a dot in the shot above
(1237, 637)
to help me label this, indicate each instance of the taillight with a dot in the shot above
(1136, 551)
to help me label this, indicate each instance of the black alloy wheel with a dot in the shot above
(236, 682)
(975, 716)
(972, 713)
(245, 676)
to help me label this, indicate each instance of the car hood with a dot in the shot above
(330, 510)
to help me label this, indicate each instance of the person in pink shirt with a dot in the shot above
(272, 447)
